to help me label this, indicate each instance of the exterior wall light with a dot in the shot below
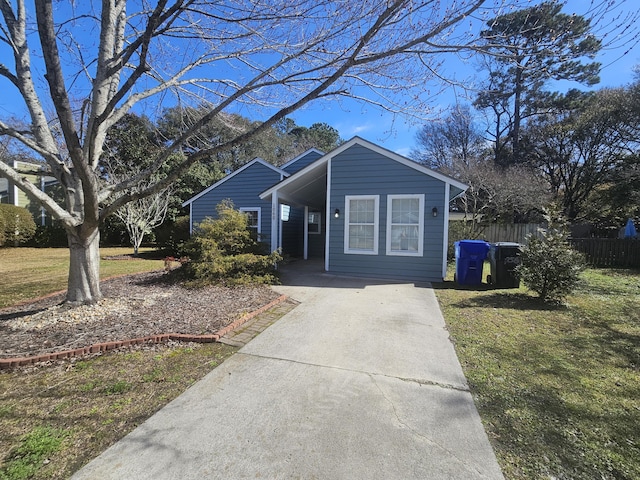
(337, 213)
(434, 211)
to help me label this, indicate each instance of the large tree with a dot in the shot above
(453, 145)
(531, 47)
(581, 148)
(454, 139)
(79, 67)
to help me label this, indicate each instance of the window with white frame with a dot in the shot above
(253, 218)
(361, 224)
(405, 225)
(314, 222)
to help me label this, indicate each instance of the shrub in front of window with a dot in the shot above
(549, 266)
(224, 251)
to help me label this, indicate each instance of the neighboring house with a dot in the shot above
(10, 194)
(364, 210)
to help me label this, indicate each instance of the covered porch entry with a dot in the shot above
(299, 213)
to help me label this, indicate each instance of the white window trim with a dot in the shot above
(318, 212)
(403, 253)
(254, 209)
(376, 223)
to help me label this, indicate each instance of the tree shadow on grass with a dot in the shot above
(492, 297)
(514, 301)
(551, 418)
(450, 285)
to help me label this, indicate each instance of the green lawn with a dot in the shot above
(558, 388)
(32, 272)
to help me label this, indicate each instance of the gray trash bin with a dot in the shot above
(504, 257)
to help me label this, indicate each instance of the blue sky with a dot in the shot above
(351, 117)
(398, 134)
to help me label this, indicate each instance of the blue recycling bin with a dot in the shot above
(470, 255)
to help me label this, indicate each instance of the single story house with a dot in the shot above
(364, 210)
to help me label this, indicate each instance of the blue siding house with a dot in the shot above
(364, 210)
(242, 188)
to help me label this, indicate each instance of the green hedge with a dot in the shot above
(16, 225)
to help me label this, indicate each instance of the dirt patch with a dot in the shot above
(134, 306)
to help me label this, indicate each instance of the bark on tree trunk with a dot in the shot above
(84, 269)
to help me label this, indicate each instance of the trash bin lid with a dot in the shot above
(506, 244)
(473, 246)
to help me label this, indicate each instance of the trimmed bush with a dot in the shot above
(224, 251)
(49, 236)
(549, 266)
(16, 225)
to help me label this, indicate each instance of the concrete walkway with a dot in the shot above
(359, 381)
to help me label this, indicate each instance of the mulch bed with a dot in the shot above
(134, 306)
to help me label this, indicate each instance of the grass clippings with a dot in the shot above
(557, 387)
(54, 419)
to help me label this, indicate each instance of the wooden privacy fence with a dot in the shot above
(609, 252)
(515, 232)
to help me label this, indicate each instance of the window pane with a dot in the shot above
(404, 238)
(405, 210)
(362, 211)
(361, 237)
(314, 222)
(252, 218)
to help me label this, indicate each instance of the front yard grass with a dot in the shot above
(55, 419)
(32, 272)
(557, 387)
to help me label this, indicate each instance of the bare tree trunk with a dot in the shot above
(84, 268)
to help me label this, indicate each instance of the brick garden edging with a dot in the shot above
(6, 363)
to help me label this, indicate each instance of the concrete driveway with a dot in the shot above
(360, 381)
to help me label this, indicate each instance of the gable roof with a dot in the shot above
(322, 161)
(301, 156)
(233, 174)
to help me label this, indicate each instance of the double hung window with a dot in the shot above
(405, 225)
(361, 225)
(253, 219)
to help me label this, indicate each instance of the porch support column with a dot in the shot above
(327, 231)
(305, 254)
(445, 229)
(275, 220)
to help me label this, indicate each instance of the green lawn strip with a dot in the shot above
(34, 450)
(95, 401)
(558, 388)
(32, 272)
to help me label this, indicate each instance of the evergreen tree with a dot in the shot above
(531, 47)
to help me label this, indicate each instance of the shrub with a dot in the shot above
(172, 235)
(224, 251)
(549, 266)
(16, 225)
(49, 236)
